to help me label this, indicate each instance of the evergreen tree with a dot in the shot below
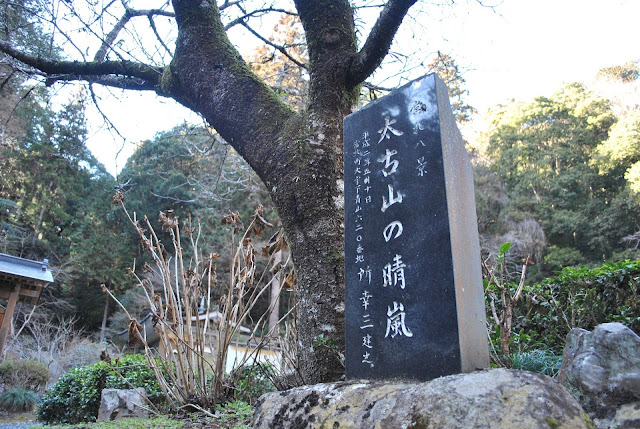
(449, 71)
(57, 205)
(546, 152)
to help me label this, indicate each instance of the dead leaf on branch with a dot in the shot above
(146, 244)
(209, 269)
(275, 268)
(275, 244)
(147, 285)
(135, 333)
(167, 220)
(290, 281)
(248, 253)
(163, 252)
(258, 222)
(104, 356)
(234, 220)
(118, 198)
(168, 312)
(155, 320)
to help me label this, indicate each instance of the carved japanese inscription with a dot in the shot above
(414, 306)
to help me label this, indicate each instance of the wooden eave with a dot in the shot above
(27, 276)
(30, 289)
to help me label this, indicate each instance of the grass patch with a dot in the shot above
(540, 361)
(236, 415)
(130, 423)
(19, 399)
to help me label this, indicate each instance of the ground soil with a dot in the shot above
(26, 420)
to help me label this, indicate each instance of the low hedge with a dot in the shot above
(28, 374)
(578, 298)
(75, 397)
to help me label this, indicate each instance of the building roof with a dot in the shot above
(25, 268)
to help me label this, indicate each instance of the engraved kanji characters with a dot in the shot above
(384, 131)
(393, 199)
(391, 165)
(396, 321)
(393, 273)
(422, 166)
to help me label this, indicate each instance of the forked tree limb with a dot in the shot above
(379, 41)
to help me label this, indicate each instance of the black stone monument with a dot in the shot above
(414, 298)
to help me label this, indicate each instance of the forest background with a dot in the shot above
(557, 176)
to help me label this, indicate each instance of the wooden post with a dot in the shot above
(8, 317)
(104, 319)
(275, 296)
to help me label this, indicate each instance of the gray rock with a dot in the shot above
(496, 398)
(626, 417)
(116, 404)
(602, 368)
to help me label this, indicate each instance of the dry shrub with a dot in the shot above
(190, 332)
(28, 374)
(502, 295)
(527, 240)
(49, 337)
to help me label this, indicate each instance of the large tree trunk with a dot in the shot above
(298, 157)
(310, 203)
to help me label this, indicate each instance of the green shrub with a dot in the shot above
(557, 258)
(131, 371)
(237, 413)
(579, 298)
(540, 361)
(254, 381)
(26, 373)
(19, 399)
(76, 396)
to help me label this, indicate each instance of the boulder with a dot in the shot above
(496, 398)
(602, 368)
(116, 404)
(626, 417)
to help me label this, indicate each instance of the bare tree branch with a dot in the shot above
(105, 118)
(177, 200)
(373, 87)
(120, 74)
(379, 41)
(152, 24)
(24, 97)
(121, 82)
(242, 19)
(128, 14)
(228, 3)
(280, 48)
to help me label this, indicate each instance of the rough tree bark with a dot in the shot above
(299, 157)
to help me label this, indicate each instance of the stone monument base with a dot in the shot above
(496, 398)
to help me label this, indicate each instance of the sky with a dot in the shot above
(518, 49)
(528, 48)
